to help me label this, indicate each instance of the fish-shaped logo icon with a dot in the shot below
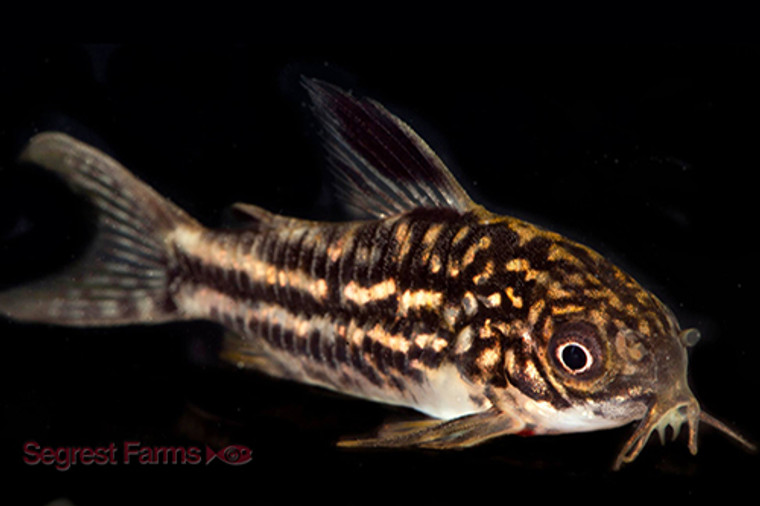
(234, 455)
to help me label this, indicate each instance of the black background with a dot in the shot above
(647, 153)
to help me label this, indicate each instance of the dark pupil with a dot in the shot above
(574, 357)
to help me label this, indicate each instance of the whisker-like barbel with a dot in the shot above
(725, 429)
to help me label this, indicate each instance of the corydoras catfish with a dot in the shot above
(486, 323)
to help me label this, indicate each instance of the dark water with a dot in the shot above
(647, 154)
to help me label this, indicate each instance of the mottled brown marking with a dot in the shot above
(460, 235)
(516, 300)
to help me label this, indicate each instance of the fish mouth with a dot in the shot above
(659, 420)
(674, 416)
(673, 405)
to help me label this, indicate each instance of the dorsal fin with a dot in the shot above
(383, 167)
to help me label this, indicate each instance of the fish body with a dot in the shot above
(486, 323)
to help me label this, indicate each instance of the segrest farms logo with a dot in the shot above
(131, 453)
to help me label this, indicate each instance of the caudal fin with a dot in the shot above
(125, 274)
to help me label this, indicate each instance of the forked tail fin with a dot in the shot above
(124, 276)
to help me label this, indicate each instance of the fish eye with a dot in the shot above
(575, 350)
(575, 357)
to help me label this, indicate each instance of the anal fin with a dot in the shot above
(250, 353)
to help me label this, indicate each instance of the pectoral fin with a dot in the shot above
(462, 432)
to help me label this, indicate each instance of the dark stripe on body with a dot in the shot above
(296, 251)
(470, 273)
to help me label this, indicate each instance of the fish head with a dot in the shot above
(656, 373)
(596, 350)
(660, 374)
